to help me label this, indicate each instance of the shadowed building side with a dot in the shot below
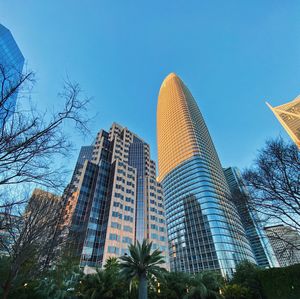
(259, 242)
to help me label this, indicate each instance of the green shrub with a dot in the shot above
(235, 291)
(281, 283)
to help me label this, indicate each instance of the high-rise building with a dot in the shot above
(289, 116)
(259, 242)
(204, 228)
(42, 219)
(286, 244)
(114, 199)
(11, 65)
(9, 231)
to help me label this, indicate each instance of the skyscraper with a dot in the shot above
(11, 65)
(114, 199)
(259, 242)
(204, 228)
(289, 116)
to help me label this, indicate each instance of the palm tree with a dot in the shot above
(205, 285)
(112, 265)
(140, 264)
(105, 284)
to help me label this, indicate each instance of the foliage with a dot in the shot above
(205, 285)
(60, 281)
(175, 285)
(246, 275)
(67, 281)
(18, 290)
(236, 291)
(281, 283)
(104, 284)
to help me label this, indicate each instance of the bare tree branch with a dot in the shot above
(274, 185)
(31, 141)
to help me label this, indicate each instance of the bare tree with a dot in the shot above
(34, 236)
(30, 141)
(274, 185)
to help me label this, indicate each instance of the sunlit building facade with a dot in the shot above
(289, 116)
(255, 233)
(114, 199)
(204, 229)
(11, 65)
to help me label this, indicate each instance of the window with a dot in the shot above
(127, 240)
(154, 236)
(154, 226)
(128, 218)
(127, 208)
(127, 228)
(117, 214)
(113, 249)
(116, 225)
(114, 237)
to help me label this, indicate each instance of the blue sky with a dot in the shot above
(233, 56)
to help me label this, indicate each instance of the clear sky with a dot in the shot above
(233, 56)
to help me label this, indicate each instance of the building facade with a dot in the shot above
(42, 219)
(204, 229)
(11, 65)
(289, 116)
(285, 242)
(9, 231)
(114, 199)
(258, 240)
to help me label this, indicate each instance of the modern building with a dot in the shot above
(204, 229)
(11, 65)
(258, 240)
(86, 153)
(286, 244)
(114, 199)
(289, 116)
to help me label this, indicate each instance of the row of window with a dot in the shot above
(127, 199)
(120, 216)
(115, 237)
(120, 205)
(157, 237)
(154, 218)
(158, 228)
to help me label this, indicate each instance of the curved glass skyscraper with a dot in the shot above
(204, 228)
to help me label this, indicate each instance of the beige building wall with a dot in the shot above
(122, 195)
(289, 116)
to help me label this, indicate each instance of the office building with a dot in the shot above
(42, 219)
(285, 242)
(114, 199)
(204, 229)
(259, 242)
(9, 231)
(289, 116)
(11, 65)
